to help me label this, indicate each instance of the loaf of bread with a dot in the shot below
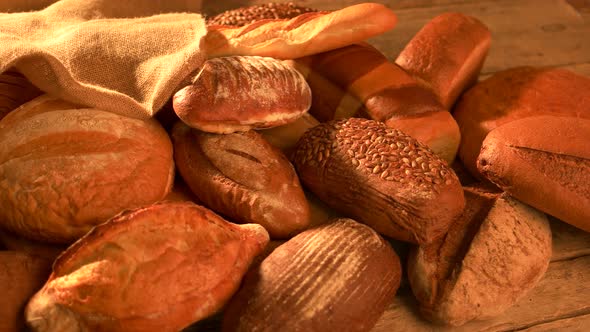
(447, 55)
(245, 15)
(337, 277)
(358, 80)
(21, 276)
(306, 34)
(15, 90)
(157, 268)
(242, 177)
(493, 254)
(543, 161)
(380, 176)
(514, 94)
(65, 168)
(239, 93)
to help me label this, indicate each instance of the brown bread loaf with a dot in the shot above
(21, 275)
(65, 168)
(447, 55)
(246, 15)
(306, 34)
(514, 94)
(242, 177)
(340, 276)
(157, 268)
(239, 93)
(358, 80)
(380, 177)
(543, 161)
(493, 254)
(15, 90)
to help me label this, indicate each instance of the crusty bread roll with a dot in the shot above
(447, 55)
(21, 275)
(514, 94)
(381, 177)
(303, 35)
(250, 14)
(358, 80)
(543, 161)
(15, 90)
(240, 93)
(156, 268)
(65, 168)
(337, 277)
(242, 177)
(493, 254)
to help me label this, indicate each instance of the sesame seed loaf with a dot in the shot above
(242, 177)
(246, 15)
(155, 268)
(447, 54)
(380, 176)
(239, 93)
(493, 254)
(543, 161)
(65, 168)
(336, 277)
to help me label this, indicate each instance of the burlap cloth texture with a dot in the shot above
(123, 56)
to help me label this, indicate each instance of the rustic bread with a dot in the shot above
(15, 90)
(543, 161)
(447, 55)
(514, 94)
(358, 80)
(340, 276)
(65, 168)
(240, 93)
(306, 34)
(381, 177)
(157, 268)
(493, 254)
(242, 177)
(250, 14)
(21, 275)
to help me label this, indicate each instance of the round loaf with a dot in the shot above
(543, 161)
(514, 94)
(493, 254)
(156, 268)
(337, 277)
(381, 177)
(65, 168)
(242, 177)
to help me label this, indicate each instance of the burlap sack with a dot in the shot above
(124, 56)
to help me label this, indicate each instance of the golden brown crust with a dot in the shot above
(243, 177)
(65, 168)
(494, 253)
(447, 54)
(543, 161)
(303, 35)
(157, 268)
(340, 276)
(240, 93)
(514, 94)
(381, 177)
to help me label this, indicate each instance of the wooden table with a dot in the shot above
(524, 32)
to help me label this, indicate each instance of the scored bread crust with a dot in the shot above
(543, 161)
(303, 35)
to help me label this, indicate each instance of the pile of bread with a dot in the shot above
(155, 225)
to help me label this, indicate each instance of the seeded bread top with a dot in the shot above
(246, 15)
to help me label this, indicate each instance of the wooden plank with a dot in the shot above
(562, 293)
(573, 324)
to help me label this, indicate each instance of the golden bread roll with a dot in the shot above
(543, 161)
(156, 268)
(65, 168)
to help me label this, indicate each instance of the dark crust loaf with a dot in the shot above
(246, 15)
(543, 161)
(495, 252)
(381, 177)
(239, 93)
(337, 277)
(243, 177)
